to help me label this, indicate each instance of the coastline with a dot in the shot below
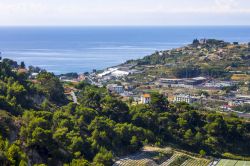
(81, 49)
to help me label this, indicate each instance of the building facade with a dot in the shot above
(145, 98)
(184, 98)
(115, 88)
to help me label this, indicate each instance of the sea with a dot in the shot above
(82, 49)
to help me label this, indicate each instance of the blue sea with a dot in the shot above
(81, 49)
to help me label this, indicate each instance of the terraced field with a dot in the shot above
(171, 160)
(143, 158)
(224, 162)
(196, 162)
(161, 157)
(153, 156)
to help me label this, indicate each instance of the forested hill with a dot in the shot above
(202, 55)
(38, 125)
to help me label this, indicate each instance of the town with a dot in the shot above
(205, 92)
(227, 91)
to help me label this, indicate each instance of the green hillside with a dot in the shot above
(209, 57)
(39, 125)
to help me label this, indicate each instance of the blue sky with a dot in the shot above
(124, 12)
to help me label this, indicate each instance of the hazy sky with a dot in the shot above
(124, 12)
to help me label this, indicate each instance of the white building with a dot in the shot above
(34, 75)
(219, 84)
(113, 72)
(115, 88)
(119, 73)
(145, 98)
(184, 98)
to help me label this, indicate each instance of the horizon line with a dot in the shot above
(125, 25)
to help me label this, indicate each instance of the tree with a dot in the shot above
(115, 109)
(188, 134)
(143, 116)
(34, 69)
(182, 122)
(135, 143)
(15, 89)
(22, 65)
(198, 138)
(11, 63)
(91, 98)
(36, 129)
(102, 132)
(52, 86)
(187, 71)
(129, 138)
(79, 162)
(15, 155)
(202, 153)
(195, 42)
(158, 102)
(103, 158)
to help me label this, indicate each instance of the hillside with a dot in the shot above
(206, 57)
(40, 126)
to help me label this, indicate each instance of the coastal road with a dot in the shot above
(74, 97)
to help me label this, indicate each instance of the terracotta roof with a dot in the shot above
(146, 95)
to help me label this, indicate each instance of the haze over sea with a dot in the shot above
(81, 49)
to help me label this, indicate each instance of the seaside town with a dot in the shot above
(133, 83)
(210, 76)
(225, 94)
(125, 83)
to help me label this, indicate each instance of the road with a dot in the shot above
(74, 97)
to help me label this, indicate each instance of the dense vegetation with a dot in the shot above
(39, 126)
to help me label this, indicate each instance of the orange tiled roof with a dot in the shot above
(146, 95)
